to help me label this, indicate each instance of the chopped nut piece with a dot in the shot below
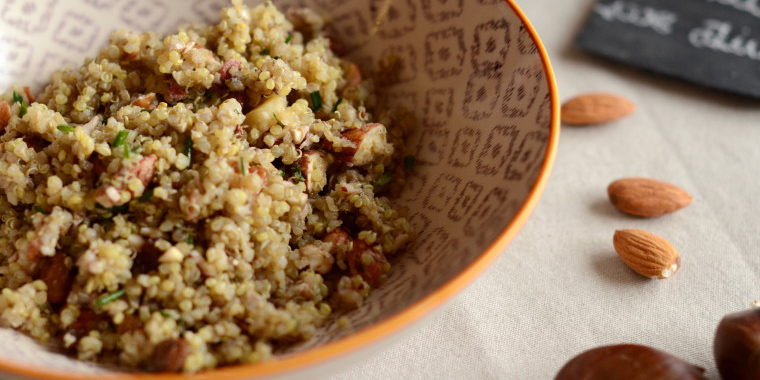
(109, 195)
(369, 142)
(313, 165)
(5, 114)
(144, 101)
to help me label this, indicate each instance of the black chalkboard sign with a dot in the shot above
(714, 43)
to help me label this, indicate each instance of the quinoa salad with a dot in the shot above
(206, 198)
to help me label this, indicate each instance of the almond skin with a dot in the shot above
(646, 197)
(647, 254)
(596, 108)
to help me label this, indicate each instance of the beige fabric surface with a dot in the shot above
(559, 288)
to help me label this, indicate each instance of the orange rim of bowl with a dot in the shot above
(394, 324)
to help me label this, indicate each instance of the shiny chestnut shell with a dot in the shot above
(737, 346)
(628, 362)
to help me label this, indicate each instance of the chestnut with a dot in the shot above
(628, 362)
(737, 345)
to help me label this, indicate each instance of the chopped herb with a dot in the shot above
(190, 240)
(277, 57)
(243, 170)
(126, 151)
(264, 52)
(298, 173)
(182, 324)
(114, 209)
(278, 120)
(109, 298)
(289, 38)
(104, 121)
(316, 100)
(17, 98)
(146, 110)
(409, 163)
(65, 128)
(340, 100)
(121, 137)
(146, 195)
(165, 313)
(39, 209)
(283, 174)
(384, 180)
(189, 148)
(208, 94)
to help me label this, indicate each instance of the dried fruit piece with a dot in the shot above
(647, 254)
(596, 109)
(647, 197)
(169, 356)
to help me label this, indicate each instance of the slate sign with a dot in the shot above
(714, 43)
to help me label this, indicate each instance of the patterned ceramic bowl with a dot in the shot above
(473, 71)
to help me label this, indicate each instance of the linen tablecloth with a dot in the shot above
(559, 288)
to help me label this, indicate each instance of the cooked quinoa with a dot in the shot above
(200, 199)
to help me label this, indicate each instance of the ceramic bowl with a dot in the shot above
(476, 76)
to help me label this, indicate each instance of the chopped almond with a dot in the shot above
(109, 195)
(313, 165)
(144, 101)
(368, 143)
(175, 93)
(29, 96)
(5, 115)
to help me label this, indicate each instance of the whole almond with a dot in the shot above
(647, 197)
(647, 254)
(596, 109)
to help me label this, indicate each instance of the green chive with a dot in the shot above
(190, 240)
(104, 122)
(316, 100)
(289, 38)
(264, 52)
(409, 163)
(65, 128)
(189, 148)
(17, 98)
(283, 174)
(146, 110)
(109, 298)
(126, 151)
(384, 180)
(22, 110)
(39, 209)
(165, 313)
(340, 100)
(298, 173)
(243, 170)
(278, 120)
(114, 209)
(147, 195)
(121, 137)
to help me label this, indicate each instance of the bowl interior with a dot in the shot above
(469, 71)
